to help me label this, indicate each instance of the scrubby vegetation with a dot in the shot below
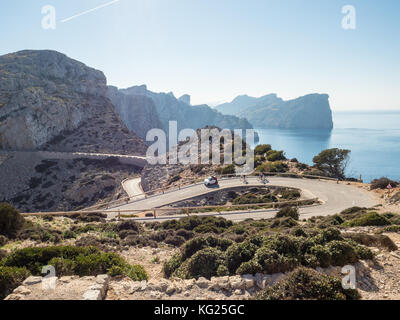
(382, 183)
(70, 260)
(276, 166)
(10, 278)
(307, 284)
(264, 251)
(11, 220)
(262, 149)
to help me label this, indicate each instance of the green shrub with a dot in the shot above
(205, 263)
(222, 271)
(249, 267)
(274, 155)
(273, 262)
(190, 223)
(250, 198)
(307, 284)
(284, 244)
(172, 265)
(327, 235)
(342, 253)
(11, 220)
(11, 278)
(37, 233)
(135, 272)
(392, 229)
(382, 183)
(363, 252)
(115, 271)
(64, 267)
(262, 149)
(353, 210)
(291, 212)
(229, 169)
(192, 246)
(274, 167)
(290, 194)
(369, 219)
(239, 253)
(322, 255)
(82, 261)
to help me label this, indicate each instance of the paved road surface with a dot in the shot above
(133, 188)
(335, 197)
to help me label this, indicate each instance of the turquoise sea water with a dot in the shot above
(373, 138)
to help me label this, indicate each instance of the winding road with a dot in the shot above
(335, 197)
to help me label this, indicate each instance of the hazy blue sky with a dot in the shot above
(217, 49)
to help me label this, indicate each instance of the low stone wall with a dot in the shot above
(64, 288)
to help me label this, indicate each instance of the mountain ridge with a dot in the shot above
(311, 111)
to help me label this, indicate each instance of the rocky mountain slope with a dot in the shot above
(308, 112)
(33, 183)
(49, 101)
(170, 108)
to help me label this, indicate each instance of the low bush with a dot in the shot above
(11, 221)
(307, 284)
(382, 183)
(208, 224)
(229, 169)
(392, 229)
(204, 263)
(369, 219)
(274, 155)
(37, 233)
(264, 252)
(71, 260)
(262, 149)
(291, 212)
(11, 278)
(172, 265)
(251, 198)
(239, 253)
(274, 167)
(342, 253)
(273, 262)
(290, 194)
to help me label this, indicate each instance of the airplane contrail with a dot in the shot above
(91, 10)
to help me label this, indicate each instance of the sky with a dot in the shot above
(215, 50)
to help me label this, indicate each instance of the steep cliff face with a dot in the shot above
(138, 112)
(309, 112)
(48, 100)
(171, 109)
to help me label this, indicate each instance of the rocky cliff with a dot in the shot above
(309, 112)
(138, 112)
(50, 101)
(171, 109)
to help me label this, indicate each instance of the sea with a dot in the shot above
(372, 136)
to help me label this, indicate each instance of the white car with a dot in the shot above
(211, 181)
